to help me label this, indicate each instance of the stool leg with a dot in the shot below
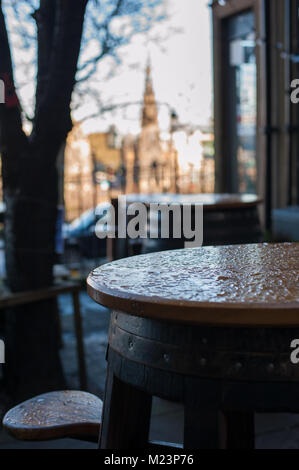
(126, 416)
(80, 343)
(238, 430)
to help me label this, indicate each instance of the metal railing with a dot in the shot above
(84, 192)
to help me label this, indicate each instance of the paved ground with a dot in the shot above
(273, 431)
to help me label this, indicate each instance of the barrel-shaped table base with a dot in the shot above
(221, 375)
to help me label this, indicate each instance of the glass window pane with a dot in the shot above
(242, 101)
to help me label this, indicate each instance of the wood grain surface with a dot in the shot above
(55, 416)
(231, 285)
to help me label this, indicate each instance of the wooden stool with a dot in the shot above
(208, 327)
(56, 415)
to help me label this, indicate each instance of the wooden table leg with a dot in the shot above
(202, 419)
(201, 428)
(238, 430)
(80, 342)
(126, 416)
(206, 427)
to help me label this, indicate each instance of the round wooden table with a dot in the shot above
(209, 327)
(227, 219)
(212, 201)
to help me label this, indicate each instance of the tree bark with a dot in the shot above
(33, 363)
(30, 183)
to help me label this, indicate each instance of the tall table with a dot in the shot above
(227, 219)
(209, 327)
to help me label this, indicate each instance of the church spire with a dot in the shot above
(150, 110)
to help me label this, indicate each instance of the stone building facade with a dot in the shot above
(144, 157)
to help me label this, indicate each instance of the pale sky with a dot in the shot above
(182, 72)
(181, 69)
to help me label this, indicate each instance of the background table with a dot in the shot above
(228, 219)
(209, 327)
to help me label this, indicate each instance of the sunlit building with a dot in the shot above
(175, 162)
(79, 190)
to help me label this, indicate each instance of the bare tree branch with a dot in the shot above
(11, 132)
(45, 20)
(6, 70)
(109, 41)
(53, 111)
(109, 25)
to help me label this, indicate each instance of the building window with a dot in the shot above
(242, 101)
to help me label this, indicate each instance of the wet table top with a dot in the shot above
(232, 285)
(210, 201)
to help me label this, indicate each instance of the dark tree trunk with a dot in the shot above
(33, 364)
(30, 182)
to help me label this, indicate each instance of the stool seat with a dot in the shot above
(56, 415)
